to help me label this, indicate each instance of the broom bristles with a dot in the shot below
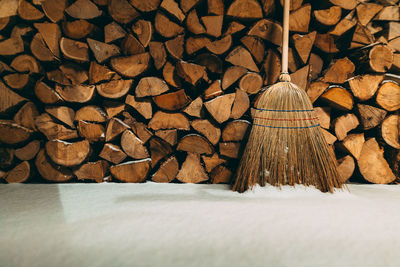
(286, 145)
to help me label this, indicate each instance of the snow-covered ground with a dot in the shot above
(197, 225)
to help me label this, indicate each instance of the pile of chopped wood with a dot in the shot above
(162, 89)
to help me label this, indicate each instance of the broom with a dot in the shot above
(286, 145)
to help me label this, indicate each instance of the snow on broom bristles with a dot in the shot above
(286, 145)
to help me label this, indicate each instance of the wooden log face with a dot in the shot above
(388, 96)
(131, 171)
(192, 171)
(49, 171)
(12, 133)
(167, 171)
(390, 131)
(67, 154)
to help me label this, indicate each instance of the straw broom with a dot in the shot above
(286, 145)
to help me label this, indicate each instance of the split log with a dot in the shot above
(364, 87)
(304, 44)
(272, 67)
(373, 166)
(51, 34)
(54, 10)
(231, 75)
(172, 101)
(251, 83)
(213, 90)
(338, 97)
(213, 161)
(344, 124)
(213, 25)
(267, 30)
(143, 106)
(346, 166)
(8, 99)
(191, 170)
(194, 44)
(173, 8)
(345, 4)
(389, 13)
(235, 131)
(167, 171)
(17, 81)
(158, 53)
(220, 46)
(166, 27)
(66, 153)
(91, 114)
(245, 9)
(370, 116)
(63, 114)
(353, 143)
(6, 157)
(28, 151)
(113, 108)
(121, 11)
(159, 149)
(163, 120)
(131, 66)
(324, 116)
(220, 107)
(19, 174)
(26, 116)
(380, 58)
(187, 5)
(151, 86)
(113, 32)
(299, 19)
(141, 130)
(99, 73)
(27, 11)
(215, 7)
(240, 56)
(190, 72)
(145, 6)
(330, 16)
(83, 9)
(234, 27)
(76, 93)
(229, 149)
(361, 37)
(326, 42)
(347, 23)
(50, 171)
(102, 51)
(74, 50)
(221, 175)
(193, 23)
(170, 75)
(11, 46)
(95, 171)
(78, 29)
(388, 96)
(68, 74)
(26, 63)
(114, 89)
(171, 136)
(133, 146)
(93, 132)
(196, 144)
(144, 31)
(366, 11)
(316, 64)
(240, 105)
(194, 109)
(301, 77)
(390, 131)
(131, 46)
(316, 89)
(114, 128)
(13, 133)
(112, 153)
(212, 62)
(206, 128)
(131, 171)
(330, 138)
(52, 130)
(340, 71)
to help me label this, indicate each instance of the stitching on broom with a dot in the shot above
(284, 110)
(271, 119)
(281, 127)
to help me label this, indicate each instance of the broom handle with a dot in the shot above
(285, 41)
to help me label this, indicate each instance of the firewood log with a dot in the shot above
(221, 175)
(63, 114)
(301, 77)
(173, 8)
(17, 81)
(78, 29)
(67, 153)
(251, 83)
(151, 86)
(240, 105)
(159, 149)
(131, 171)
(231, 75)
(144, 31)
(158, 53)
(345, 4)
(114, 89)
(6, 157)
(235, 130)
(114, 128)
(370, 116)
(166, 27)
(95, 171)
(83, 9)
(353, 143)
(242, 57)
(26, 63)
(272, 67)
(390, 13)
(141, 130)
(54, 10)
(347, 23)
(76, 93)
(133, 146)
(245, 9)
(167, 171)
(229, 149)
(91, 114)
(213, 90)
(51, 34)
(171, 136)
(187, 5)
(11, 46)
(373, 166)
(146, 6)
(340, 71)
(324, 117)
(93, 132)
(299, 19)
(49, 170)
(172, 101)
(338, 97)
(13, 133)
(220, 46)
(316, 89)
(28, 151)
(388, 96)
(163, 120)
(330, 138)
(192, 171)
(102, 51)
(194, 108)
(380, 58)
(19, 173)
(366, 11)
(113, 32)
(26, 116)
(330, 16)
(316, 64)
(267, 30)
(52, 130)
(346, 166)
(213, 25)
(131, 46)
(193, 23)
(131, 66)
(27, 11)
(220, 107)
(364, 87)
(304, 44)
(211, 132)
(99, 73)
(234, 27)
(344, 124)
(196, 144)
(212, 161)
(326, 42)
(74, 50)
(143, 106)
(121, 11)
(112, 153)
(390, 131)
(190, 72)
(113, 108)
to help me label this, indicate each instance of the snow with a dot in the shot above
(186, 225)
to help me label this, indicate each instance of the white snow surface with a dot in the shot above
(186, 225)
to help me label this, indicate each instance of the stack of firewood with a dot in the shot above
(161, 90)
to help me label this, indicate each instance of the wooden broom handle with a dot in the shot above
(285, 41)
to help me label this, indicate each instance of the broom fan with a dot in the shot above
(286, 145)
